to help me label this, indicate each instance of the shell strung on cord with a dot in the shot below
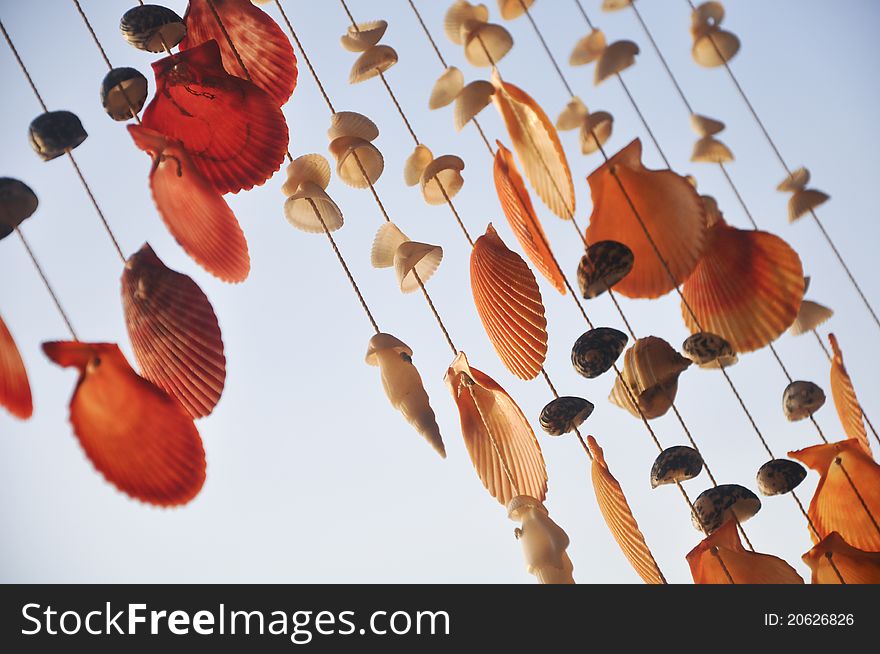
(460, 15)
(565, 414)
(351, 123)
(843, 466)
(573, 115)
(588, 48)
(615, 5)
(509, 304)
(306, 168)
(596, 350)
(139, 438)
(17, 203)
(441, 179)
(854, 565)
(410, 259)
(358, 162)
(54, 133)
(801, 399)
(472, 99)
(650, 369)
(403, 386)
(416, 163)
(810, 316)
(705, 126)
(595, 131)
(308, 207)
(604, 265)
(619, 518)
(152, 28)
(371, 63)
(803, 199)
(517, 206)
(123, 93)
(676, 463)
(711, 150)
(713, 46)
(486, 44)
(446, 88)
(260, 44)
(845, 401)
(722, 554)
(543, 541)
(363, 36)
(615, 58)
(173, 332)
(670, 209)
(511, 9)
(780, 476)
(497, 435)
(721, 503)
(192, 209)
(709, 350)
(15, 391)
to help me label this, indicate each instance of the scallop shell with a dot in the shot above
(416, 164)
(709, 350)
(596, 350)
(780, 476)
(173, 332)
(705, 126)
(358, 162)
(446, 88)
(604, 264)
(615, 59)
(306, 168)
(565, 414)
(414, 261)
(17, 203)
(459, 13)
(363, 36)
(53, 133)
(810, 316)
(573, 116)
(854, 565)
(351, 123)
(473, 98)
(301, 207)
(710, 150)
(511, 9)
(152, 28)
(509, 303)
(15, 391)
(371, 63)
(796, 181)
(801, 399)
(714, 47)
(845, 401)
(719, 504)
(675, 464)
(747, 288)
(804, 201)
(123, 93)
(588, 49)
(596, 131)
(707, 14)
(388, 238)
(668, 206)
(487, 44)
(441, 180)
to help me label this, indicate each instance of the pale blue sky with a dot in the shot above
(312, 476)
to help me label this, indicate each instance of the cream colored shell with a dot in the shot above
(446, 88)
(364, 36)
(442, 179)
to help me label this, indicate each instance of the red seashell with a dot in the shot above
(15, 391)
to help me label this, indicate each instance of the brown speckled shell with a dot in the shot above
(801, 399)
(707, 350)
(142, 25)
(676, 463)
(596, 350)
(565, 414)
(716, 505)
(780, 476)
(604, 264)
(123, 90)
(55, 132)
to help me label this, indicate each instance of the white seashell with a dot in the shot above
(460, 12)
(306, 168)
(511, 9)
(487, 44)
(810, 316)
(446, 88)
(443, 171)
(364, 36)
(573, 115)
(804, 201)
(705, 126)
(597, 126)
(300, 208)
(416, 164)
(377, 59)
(795, 181)
(385, 244)
(543, 541)
(358, 162)
(711, 150)
(616, 58)
(473, 98)
(351, 123)
(413, 258)
(588, 49)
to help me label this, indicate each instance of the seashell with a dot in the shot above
(796, 181)
(604, 264)
(573, 115)
(537, 146)
(152, 28)
(674, 464)
(710, 150)
(615, 59)
(650, 404)
(415, 261)
(845, 401)
(487, 44)
(15, 391)
(804, 201)
(371, 63)
(708, 13)
(232, 130)
(588, 49)
(54, 133)
(650, 369)
(709, 350)
(854, 565)
(473, 98)
(496, 433)
(123, 93)
(715, 47)
(446, 88)
(351, 123)
(459, 13)
(780, 476)
(139, 438)
(835, 507)
(721, 503)
(306, 168)
(192, 209)
(17, 203)
(747, 288)
(810, 316)
(705, 126)
(416, 164)
(363, 36)
(668, 206)
(721, 557)
(801, 399)
(173, 332)
(615, 5)
(518, 209)
(388, 238)
(511, 9)
(358, 162)
(596, 131)
(565, 414)
(544, 542)
(596, 350)
(509, 304)
(619, 518)
(441, 180)
(403, 386)
(301, 207)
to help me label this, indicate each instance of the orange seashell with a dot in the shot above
(508, 300)
(845, 401)
(835, 505)
(497, 435)
(745, 567)
(747, 288)
(259, 41)
(140, 439)
(517, 207)
(537, 145)
(671, 210)
(854, 565)
(174, 332)
(232, 129)
(15, 391)
(193, 211)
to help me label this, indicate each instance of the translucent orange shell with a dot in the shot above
(854, 565)
(15, 391)
(845, 401)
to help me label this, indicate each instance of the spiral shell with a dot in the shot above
(604, 264)
(780, 476)
(595, 351)
(446, 88)
(650, 369)
(801, 399)
(709, 350)
(677, 463)
(17, 203)
(565, 414)
(152, 28)
(123, 93)
(717, 505)
(363, 36)
(53, 133)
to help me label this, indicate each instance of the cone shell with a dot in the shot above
(138, 437)
(705, 126)
(416, 164)
(174, 332)
(492, 424)
(588, 49)
(604, 265)
(674, 464)
(473, 98)
(446, 88)
(595, 351)
(709, 350)
(810, 316)
(388, 239)
(15, 391)
(371, 63)
(710, 150)
(413, 258)
(802, 399)
(509, 303)
(53, 133)
(565, 414)
(301, 207)
(573, 115)
(854, 565)
(511, 9)
(780, 476)
(460, 13)
(351, 123)
(845, 401)
(520, 214)
(747, 288)
(306, 168)
(796, 181)
(442, 179)
(615, 59)
(123, 93)
(363, 36)
(17, 203)
(152, 27)
(712, 43)
(596, 131)
(494, 38)
(671, 210)
(804, 201)
(352, 153)
(721, 503)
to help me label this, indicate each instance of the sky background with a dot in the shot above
(312, 476)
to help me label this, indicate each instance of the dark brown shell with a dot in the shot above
(801, 399)
(55, 132)
(716, 505)
(147, 26)
(709, 350)
(596, 350)
(565, 414)
(604, 264)
(17, 203)
(123, 91)
(676, 463)
(780, 476)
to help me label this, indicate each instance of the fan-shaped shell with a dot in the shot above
(17, 203)
(711, 150)
(358, 162)
(854, 565)
(508, 301)
(303, 208)
(459, 13)
(152, 28)
(388, 238)
(53, 133)
(596, 350)
(306, 168)
(371, 63)
(415, 261)
(845, 401)
(674, 464)
(446, 88)
(804, 201)
(487, 44)
(174, 332)
(795, 181)
(604, 265)
(564, 414)
(573, 115)
(670, 209)
(511, 9)
(351, 123)
(801, 399)
(497, 435)
(615, 59)
(441, 179)
(714, 47)
(747, 288)
(780, 476)
(709, 350)
(810, 316)
(123, 93)
(363, 36)
(15, 391)
(588, 49)
(596, 131)
(473, 98)
(719, 504)
(416, 164)
(705, 126)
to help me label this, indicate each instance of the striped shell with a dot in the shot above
(460, 14)
(845, 401)
(17, 203)
(152, 28)
(604, 265)
(15, 391)
(810, 316)
(371, 63)
(588, 49)
(306, 168)
(833, 556)
(780, 476)
(446, 88)
(801, 399)
(717, 505)
(473, 98)
(441, 179)
(677, 463)
(416, 163)
(596, 350)
(363, 36)
(303, 208)
(564, 414)
(615, 59)
(53, 133)
(391, 247)
(351, 123)
(358, 162)
(709, 350)
(123, 93)
(487, 44)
